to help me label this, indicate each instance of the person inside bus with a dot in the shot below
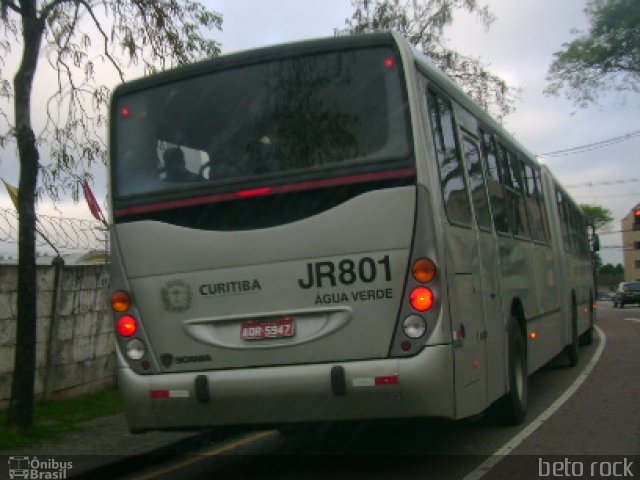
(175, 169)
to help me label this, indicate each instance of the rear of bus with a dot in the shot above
(265, 264)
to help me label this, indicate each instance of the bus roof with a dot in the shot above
(257, 55)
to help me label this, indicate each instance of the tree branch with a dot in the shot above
(46, 9)
(65, 45)
(98, 25)
(5, 5)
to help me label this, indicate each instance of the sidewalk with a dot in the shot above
(106, 441)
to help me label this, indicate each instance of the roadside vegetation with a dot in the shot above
(55, 418)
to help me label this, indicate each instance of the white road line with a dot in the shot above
(633, 319)
(499, 454)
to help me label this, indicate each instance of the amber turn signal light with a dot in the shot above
(424, 270)
(120, 301)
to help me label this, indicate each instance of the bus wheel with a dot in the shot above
(587, 337)
(572, 350)
(512, 407)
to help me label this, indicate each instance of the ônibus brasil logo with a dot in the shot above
(32, 468)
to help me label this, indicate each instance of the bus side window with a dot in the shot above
(517, 174)
(541, 202)
(476, 180)
(450, 166)
(494, 185)
(576, 230)
(533, 205)
(512, 185)
(586, 238)
(581, 234)
(564, 221)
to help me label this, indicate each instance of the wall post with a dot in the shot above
(52, 340)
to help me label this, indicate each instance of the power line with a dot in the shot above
(612, 232)
(588, 195)
(591, 146)
(603, 183)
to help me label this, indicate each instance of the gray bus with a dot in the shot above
(331, 230)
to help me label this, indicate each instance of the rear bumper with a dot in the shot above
(630, 300)
(294, 393)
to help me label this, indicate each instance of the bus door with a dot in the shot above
(462, 260)
(492, 332)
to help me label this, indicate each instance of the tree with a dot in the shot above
(597, 216)
(610, 269)
(149, 34)
(423, 23)
(606, 58)
(610, 276)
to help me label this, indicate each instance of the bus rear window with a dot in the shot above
(290, 117)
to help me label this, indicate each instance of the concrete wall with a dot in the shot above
(77, 355)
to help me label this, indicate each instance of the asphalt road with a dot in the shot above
(583, 422)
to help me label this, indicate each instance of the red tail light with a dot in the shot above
(421, 299)
(127, 326)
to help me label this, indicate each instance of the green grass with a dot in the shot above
(54, 418)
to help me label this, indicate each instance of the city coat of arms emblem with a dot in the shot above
(176, 296)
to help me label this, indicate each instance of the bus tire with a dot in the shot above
(512, 407)
(573, 349)
(587, 337)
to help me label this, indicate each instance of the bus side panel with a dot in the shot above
(546, 319)
(564, 274)
(585, 288)
(468, 323)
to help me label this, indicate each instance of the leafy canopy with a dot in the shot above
(605, 58)
(598, 216)
(87, 46)
(423, 23)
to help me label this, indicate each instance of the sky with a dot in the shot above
(518, 46)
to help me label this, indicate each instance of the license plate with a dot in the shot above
(268, 329)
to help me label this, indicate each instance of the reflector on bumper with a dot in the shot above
(169, 393)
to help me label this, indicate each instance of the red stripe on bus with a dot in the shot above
(390, 380)
(293, 187)
(256, 192)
